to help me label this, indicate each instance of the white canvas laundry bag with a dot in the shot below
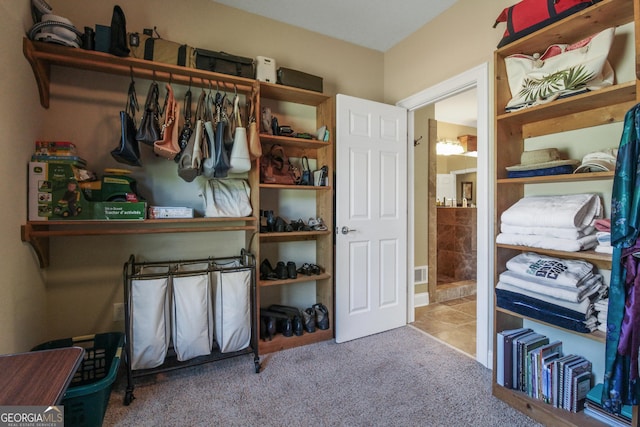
(150, 317)
(192, 309)
(232, 296)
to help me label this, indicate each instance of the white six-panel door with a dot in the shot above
(371, 217)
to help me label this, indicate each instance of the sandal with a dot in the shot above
(317, 224)
(305, 269)
(315, 269)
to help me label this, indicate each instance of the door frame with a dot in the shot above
(477, 77)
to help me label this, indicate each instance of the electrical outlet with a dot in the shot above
(118, 312)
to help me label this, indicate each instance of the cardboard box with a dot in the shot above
(54, 194)
(158, 212)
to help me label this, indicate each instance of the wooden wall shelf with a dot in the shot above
(37, 233)
(42, 55)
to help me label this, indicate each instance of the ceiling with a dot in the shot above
(375, 24)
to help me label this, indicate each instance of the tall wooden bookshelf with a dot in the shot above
(595, 108)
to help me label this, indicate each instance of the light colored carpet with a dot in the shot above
(401, 378)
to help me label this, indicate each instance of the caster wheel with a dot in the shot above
(128, 398)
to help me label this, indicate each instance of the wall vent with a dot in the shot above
(421, 275)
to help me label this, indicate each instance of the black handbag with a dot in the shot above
(118, 39)
(306, 172)
(128, 152)
(149, 129)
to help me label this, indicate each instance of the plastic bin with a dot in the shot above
(87, 397)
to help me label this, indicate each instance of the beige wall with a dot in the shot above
(459, 39)
(75, 295)
(22, 287)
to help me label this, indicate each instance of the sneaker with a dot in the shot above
(322, 316)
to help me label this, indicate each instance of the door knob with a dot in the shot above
(346, 230)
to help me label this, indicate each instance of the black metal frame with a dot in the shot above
(131, 271)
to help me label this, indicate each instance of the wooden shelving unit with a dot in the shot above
(323, 153)
(42, 56)
(589, 109)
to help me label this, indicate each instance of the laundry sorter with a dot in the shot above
(188, 312)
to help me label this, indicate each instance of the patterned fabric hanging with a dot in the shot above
(621, 381)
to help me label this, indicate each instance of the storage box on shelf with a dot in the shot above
(595, 108)
(321, 153)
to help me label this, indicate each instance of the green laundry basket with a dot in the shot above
(87, 397)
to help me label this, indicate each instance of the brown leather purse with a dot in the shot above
(275, 168)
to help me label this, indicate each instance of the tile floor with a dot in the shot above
(453, 322)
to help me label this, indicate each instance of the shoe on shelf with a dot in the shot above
(317, 224)
(266, 271)
(305, 269)
(296, 324)
(281, 225)
(299, 225)
(315, 269)
(309, 319)
(271, 221)
(281, 271)
(267, 327)
(322, 316)
(292, 273)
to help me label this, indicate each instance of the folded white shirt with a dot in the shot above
(550, 270)
(573, 294)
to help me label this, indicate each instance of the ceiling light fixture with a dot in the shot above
(447, 148)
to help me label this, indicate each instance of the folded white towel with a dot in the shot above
(578, 294)
(551, 270)
(604, 249)
(562, 211)
(557, 232)
(604, 238)
(585, 306)
(546, 242)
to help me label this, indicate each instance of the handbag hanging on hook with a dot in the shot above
(167, 146)
(255, 147)
(149, 130)
(128, 151)
(239, 159)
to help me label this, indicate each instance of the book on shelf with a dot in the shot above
(558, 387)
(572, 370)
(504, 364)
(581, 385)
(525, 347)
(541, 358)
(594, 409)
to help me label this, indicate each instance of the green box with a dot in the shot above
(55, 194)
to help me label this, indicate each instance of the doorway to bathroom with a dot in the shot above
(452, 224)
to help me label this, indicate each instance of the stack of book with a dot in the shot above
(593, 408)
(527, 361)
(57, 151)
